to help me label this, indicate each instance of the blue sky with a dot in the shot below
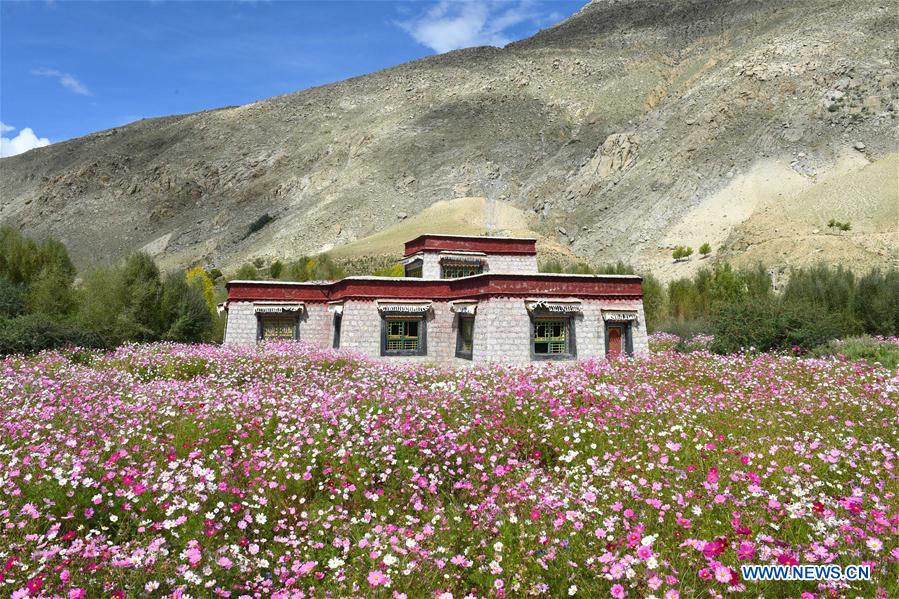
(70, 68)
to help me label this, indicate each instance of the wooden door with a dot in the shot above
(614, 340)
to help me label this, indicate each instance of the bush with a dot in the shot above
(247, 272)
(871, 349)
(655, 304)
(51, 293)
(397, 270)
(748, 325)
(22, 259)
(12, 299)
(184, 313)
(276, 269)
(36, 332)
(682, 252)
(876, 303)
(705, 249)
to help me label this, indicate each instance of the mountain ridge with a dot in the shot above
(605, 131)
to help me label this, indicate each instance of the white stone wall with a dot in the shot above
(241, 328)
(496, 263)
(502, 330)
(512, 264)
(316, 325)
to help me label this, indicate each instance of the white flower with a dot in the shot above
(336, 562)
(498, 546)
(572, 590)
(260, 518)
(389, 559)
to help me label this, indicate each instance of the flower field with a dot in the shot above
(202, 471)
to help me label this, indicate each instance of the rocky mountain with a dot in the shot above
(629, 128)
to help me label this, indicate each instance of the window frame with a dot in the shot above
(414, 269)
(570, 337)
(421, 350)
(460, 351)
(260, 328)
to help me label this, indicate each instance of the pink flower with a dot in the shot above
(377, 578)
(722, 574)
(617, 591)
(644, 552)
(672, 594)
(224, 562)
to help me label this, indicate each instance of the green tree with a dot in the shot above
(12, 299)
(683, 299)
(141, 289)
(184, 313)
(655, 304)
(247, 272)
(51, 293)
(876, 303)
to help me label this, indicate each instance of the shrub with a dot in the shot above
(397, 270)
(747, 325)
(184, 313)
(36, 332)
(247, 272)
(51, 293)
(276, 269)
(876, 303)
(551, 266)
(682, 253)
(12, 298)
(655, 304)
(22, 259)
(705, 249)
(871, 349)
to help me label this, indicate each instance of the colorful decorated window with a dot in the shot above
(551, 337)
(403, 336)
(278, 327)
(454, 270)
(465, 339)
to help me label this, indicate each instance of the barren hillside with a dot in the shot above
(627, 129)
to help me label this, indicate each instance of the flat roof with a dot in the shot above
(473, 243)
(471, 287)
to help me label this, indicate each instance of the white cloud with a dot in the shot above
(24, 141)
(4, 128)
(67, 80)
(452, 25)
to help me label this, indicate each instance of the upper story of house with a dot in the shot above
(454, 256)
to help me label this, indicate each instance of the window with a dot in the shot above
(413, 269)
(452, 270)
(278, 327)
(465, 337)
(338, 320)
(403, 336)
(552, 338)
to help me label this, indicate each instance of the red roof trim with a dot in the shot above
(460, 243)
(476, 287)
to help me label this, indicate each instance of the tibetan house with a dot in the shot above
(462, 300)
